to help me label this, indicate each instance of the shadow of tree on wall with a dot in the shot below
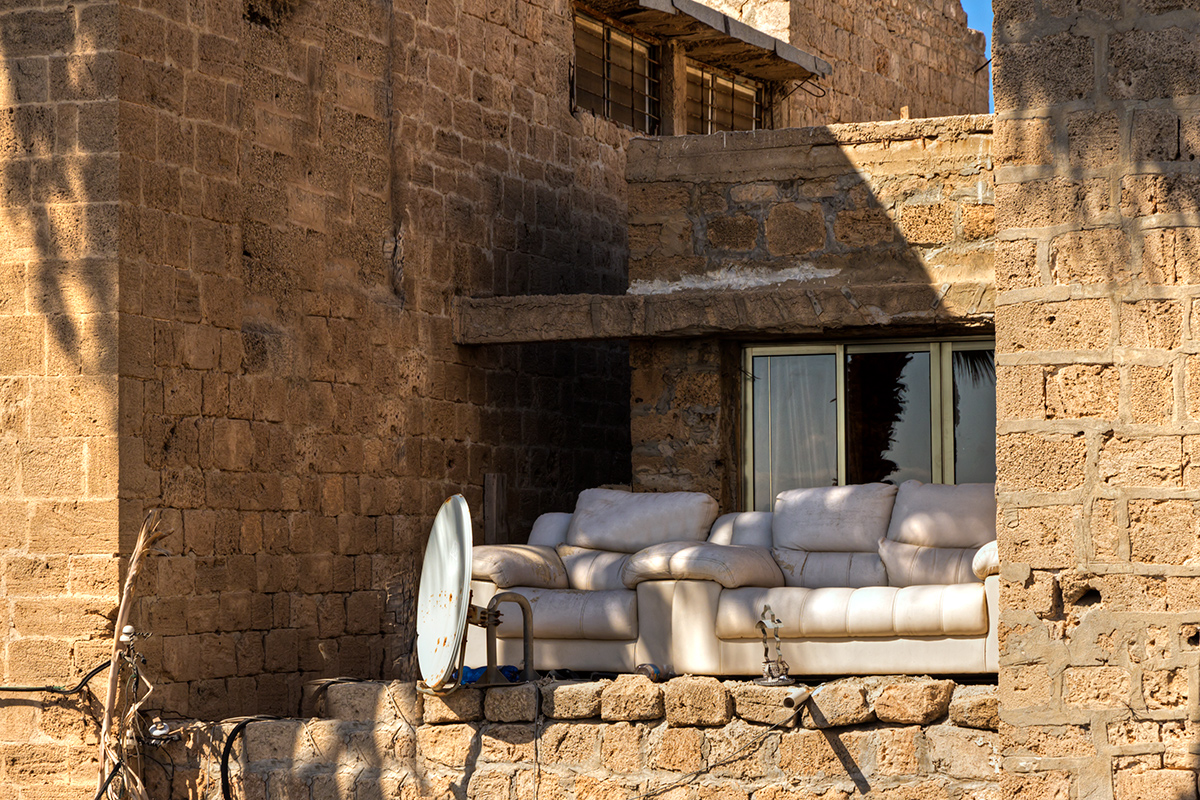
(1104, 174)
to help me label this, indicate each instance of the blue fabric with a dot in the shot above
(473, 674)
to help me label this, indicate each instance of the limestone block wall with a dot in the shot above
(885, 56)
(1096, 331)
(888, 228)
(58, 379)
(304, 188)
(687, 739)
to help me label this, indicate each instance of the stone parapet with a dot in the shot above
(690, 738)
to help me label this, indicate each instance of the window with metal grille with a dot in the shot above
(616, 75)
(718, 102)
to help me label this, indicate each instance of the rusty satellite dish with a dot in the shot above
(444, 597)
(444, 608)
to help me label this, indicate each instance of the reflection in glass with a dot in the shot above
(974, 416)
(887, 417)
(795, 424)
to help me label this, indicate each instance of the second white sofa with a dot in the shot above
(865, 579)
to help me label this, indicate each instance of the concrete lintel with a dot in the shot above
(773, 311)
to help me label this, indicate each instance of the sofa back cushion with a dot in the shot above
(550, 530)
(592, 570)
(751, 528)
(625, 522)
(829, 535)
(935, 531)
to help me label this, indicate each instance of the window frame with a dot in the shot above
(655, 74)
(759, 117)
(941, 396)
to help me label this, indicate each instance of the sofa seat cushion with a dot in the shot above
(868, 612)
(625, 522)
(572, 614)
(595, 570)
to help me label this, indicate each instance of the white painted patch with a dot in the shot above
(733, 278)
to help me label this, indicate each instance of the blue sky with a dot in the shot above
(979, 17)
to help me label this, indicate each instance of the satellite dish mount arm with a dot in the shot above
(490, 619)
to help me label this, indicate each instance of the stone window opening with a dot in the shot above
(719, 101)
(838, 414)
(616, 75)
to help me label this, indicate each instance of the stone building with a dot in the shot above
(296, 271)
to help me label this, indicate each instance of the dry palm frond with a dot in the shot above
(117, 733)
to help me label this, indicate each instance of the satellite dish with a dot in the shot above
(444, 597)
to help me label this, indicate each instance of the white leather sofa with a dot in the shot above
(865, 579)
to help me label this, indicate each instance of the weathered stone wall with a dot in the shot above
(1097, 209)
(688, 739)
(58, 380)
(305, 186)
(885, 56)
(888, 228)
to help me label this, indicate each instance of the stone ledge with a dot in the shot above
(775, 310)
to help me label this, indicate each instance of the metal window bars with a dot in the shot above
(616, 75)
(720, 102)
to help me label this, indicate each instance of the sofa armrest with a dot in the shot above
(986, 561)
(730, 565)
(518, 565)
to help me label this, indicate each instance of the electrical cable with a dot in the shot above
(59, 689)
(107, 781)
(228, 748)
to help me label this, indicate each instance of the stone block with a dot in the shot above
(1154, 461)
(1016, 264)
(449, 745)
(1165, 688)
(966, 754)
(1148, 64)
(1176, 784)
(1096, 687)
(733, 233)
(631, 697)
(1093, 139)
(763, 704)
(511, 703)
(914, 702)
(1045, 462)
(1023, 141)
(1171, 256)
(749, 754)
(1151, 393)
(899, 750)
(572, 699)
(678, 750)
(1151, 324)
(696, 701)
(824, 754)
(975, 707)
(465, 705)
(794, 230)
(508, 743)
(1063, 325)
(837, 704)
(1099, 255)
(1043, 72)
(621, 747)
(571, 743)
(927, 224)
(978, 222)
(1155, 135)
(864, 227)
(1081, 391)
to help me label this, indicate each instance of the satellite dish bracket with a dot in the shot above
(492, 676)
